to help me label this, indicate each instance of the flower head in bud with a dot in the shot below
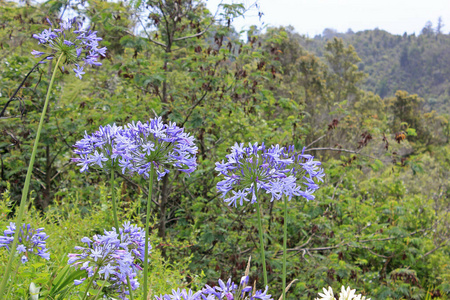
(30, 241)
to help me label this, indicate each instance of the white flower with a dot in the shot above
(346, 294)
(327, 294)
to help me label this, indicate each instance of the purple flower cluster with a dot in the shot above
(277, 170)
(97, 150)
(75, 43)
(31, 241)
(114, 257)
(154, 142)
(224, 291)
(137, 146)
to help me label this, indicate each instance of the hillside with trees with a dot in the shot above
(414, 63)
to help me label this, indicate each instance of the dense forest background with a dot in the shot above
(372, 106)
(417, 64)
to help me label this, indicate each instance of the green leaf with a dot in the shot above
(65, 279)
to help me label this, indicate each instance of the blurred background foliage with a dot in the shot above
(372, 106)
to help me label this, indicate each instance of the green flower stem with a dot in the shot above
(261, 240)
(113, 198)
(13, 279)
(130, 290)
(90, 283)
(27, 186)
(150, 189)
(284, 247)
(99, 292)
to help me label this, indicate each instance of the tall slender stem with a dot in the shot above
(261, 239)
(27, 185)
(130, 290)
(113, 198)
(12, 280)
(284, 247)
(90, 282)
(99, 292)
(150, 189)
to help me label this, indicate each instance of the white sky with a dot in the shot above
(311, 17)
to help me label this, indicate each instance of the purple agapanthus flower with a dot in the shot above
(135, 147)
(117, 256)
(232, 291)
(142, 144)
(78, 71)
(181, 295)
(37, 53)
(98, 150)
(72, 41)
(31, 241)
(224, 291)
(277, 170)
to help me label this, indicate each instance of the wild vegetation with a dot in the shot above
(371, 106)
